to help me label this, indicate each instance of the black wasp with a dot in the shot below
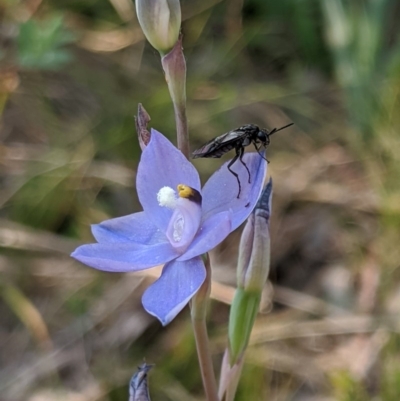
(237, 139)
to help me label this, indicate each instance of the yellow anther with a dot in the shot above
(186, 192)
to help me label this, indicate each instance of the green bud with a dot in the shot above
(254, 249)
(243, 313)
(253, 269)
(160, 21)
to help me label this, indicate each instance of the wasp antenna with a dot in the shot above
(275, 130)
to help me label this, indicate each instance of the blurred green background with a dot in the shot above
(71, 76)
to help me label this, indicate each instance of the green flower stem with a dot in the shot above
(182, 129)
(198, 313)
(174, 66)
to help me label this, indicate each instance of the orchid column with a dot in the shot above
(161, 23)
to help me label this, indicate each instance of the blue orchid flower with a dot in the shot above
(179, 222)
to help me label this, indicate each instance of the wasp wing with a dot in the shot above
(220, 145)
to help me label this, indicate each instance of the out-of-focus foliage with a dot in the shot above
(71, 76)
(40, 44)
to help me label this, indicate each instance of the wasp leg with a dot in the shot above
(258, 151)
(240, 152)
(235, 174)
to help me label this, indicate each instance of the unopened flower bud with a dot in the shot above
(160, 21)
(254, 250)
(138, 388)
(253, 269)
(141, 121)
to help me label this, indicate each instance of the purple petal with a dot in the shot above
(135, 228)
(179, 281)
(221, 190)
(162, 164)
(213, 231)
(124, 257)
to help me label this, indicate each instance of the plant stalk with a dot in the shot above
(198, 313)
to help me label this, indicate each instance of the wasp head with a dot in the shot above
(263, 136)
